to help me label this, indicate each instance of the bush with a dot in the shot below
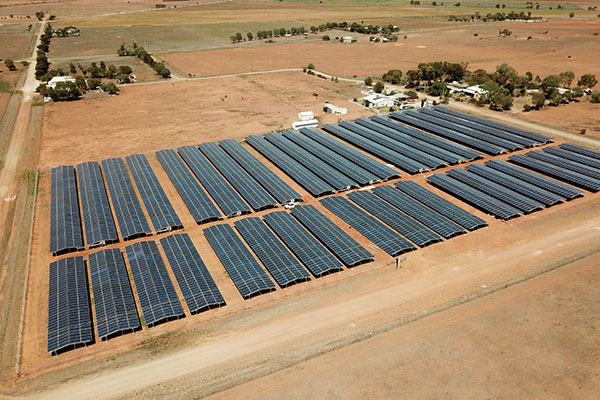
(379, 86)
(368, 81)
(326, 38)
(582, 131)
(595, 98)
(526, 108)
(310, 66)
(110, 88)
(93, 83)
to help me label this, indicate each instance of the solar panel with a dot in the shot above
(114, 304)
(378, 233)
(468, 154)
(430, 161)
(541, 181)
(444, 155)
(245, 272)
(434, 221)
(520, 132)
(308, 180)
(152, 283)
(564, 174)
(309, 250)
(400, 222)
(564, 163)
(251, 191)
(131, 219)
(500, 192)
(457, 122)
(199, 290)
(274, 255)
(399, 160)
(449, 134)
(69, 319)
(317, 166)
(354, 171)
(377, 168)
(474, 197)
(580, 150)
(161, 212)
(441, 205)
(259, 171)
(65, 224)
(226, 198)
(333, 237)
(532, 191)
(196, 200)
(98, 219)
(569, 155)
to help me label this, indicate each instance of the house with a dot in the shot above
(379, 101)
(347, 39)
(52, 83)
(311, 123)
(330, 108)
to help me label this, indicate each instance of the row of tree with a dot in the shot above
(139, 52)
(42, 65)
(511, 16)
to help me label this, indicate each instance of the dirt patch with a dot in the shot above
(14, 40)
(571, 118)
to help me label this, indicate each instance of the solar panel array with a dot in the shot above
(333, 237)
(572, 156)
(226, 198)
(259, 171)
(578, 167)
(114, 304)
(159, 208)
(309, 250)
(278, 260)
(98, 219)
(65, 223)
(131, 218)
(245, 272)
(378, 233)
(198, 287)
(580, 150)
(69, 319)
(251, 191)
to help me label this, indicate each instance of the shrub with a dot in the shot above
(379, 86)
(595, 98)
(368, 81)
(326, 38)
(526, 108)
(110, 88)
(582, 131)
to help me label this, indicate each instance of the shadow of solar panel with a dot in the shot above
(199, 290)
(399, 160)
(259, 171)
(131, 218)
(245, 272)
(541, 181)
(430, 161)
(381, 170)
(69, 317)
(154, 287)
(309, 250)
(441, 205)
(274, 255)
(571, 156)
(467, 153)
(161, 212)
(474, 197)
(564, 163)
(192, 194)
(98, 219)
(333, 237)
(114, 303)
(434, 221)
(580, 150)
(65, 223)
(251, 191)
(308, 180)
(378, 233)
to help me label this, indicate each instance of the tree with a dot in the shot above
(72, 68)
(249, 35)
(238, 37)
(310, 66)
(110, 88)
(571, 14)
(123, 78)
(125, 69)
(550, 85)
(81, 84)
(93, 83)
(326, 38)
(587, 81)
(566, 78)
(379, 86)
(393, 76)
(538, 100)
(577, 92)
(10, 64)
(595, 98)
(64, 91)
(112, 71)
(437, 89)
(368, 81)
(165, 73)
(39, 15)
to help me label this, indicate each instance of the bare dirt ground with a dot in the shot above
(14, 40)
(536, 339)
(571, 118)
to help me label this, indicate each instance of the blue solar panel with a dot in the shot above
(161, 212)
(441, 205)
(196, 200)
(569, 155)
(272, 253)
(580, 150)
(403, 224)
(69, 319)
(98, 219)
(226, 198)
(337, 241)
(564, 163)
(197, 285)
(152, 283)
(251, 191)
(309, 250)
(245, 272)
(131, 219)
(378, 233)
(308, 180)
(381, 170)
(113, 299)
(65, 223)
(259, 171)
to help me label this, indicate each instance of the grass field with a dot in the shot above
(14, 41)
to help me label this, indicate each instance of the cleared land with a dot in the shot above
(15, 40)
(571, 118)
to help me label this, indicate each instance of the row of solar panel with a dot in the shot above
(69, 316)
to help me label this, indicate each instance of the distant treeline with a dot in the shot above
(511, 16)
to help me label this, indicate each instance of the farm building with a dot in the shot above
(57, 79)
